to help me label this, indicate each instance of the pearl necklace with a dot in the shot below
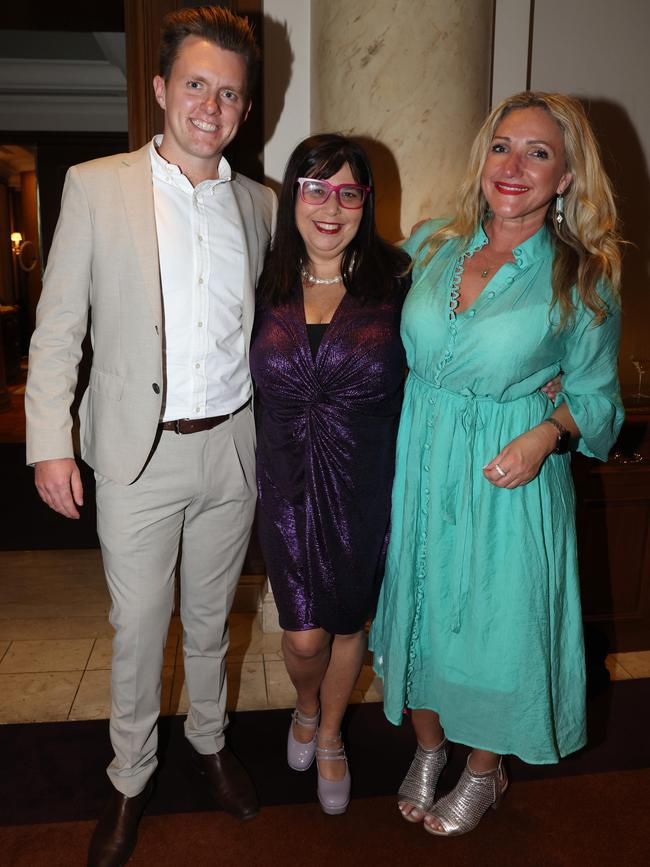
(319, 281)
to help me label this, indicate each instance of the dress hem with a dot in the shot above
(562, 754)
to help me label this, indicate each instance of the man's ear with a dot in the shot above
(160, 90)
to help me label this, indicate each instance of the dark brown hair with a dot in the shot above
(216, 24)
(372, 269)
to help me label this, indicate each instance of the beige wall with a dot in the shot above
(510, 62)
(287, 75)
(598, 50)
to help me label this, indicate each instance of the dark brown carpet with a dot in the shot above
(591, 810)
(592, 820)
(54, 772)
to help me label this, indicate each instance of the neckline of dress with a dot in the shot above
(335, 314)
(533, 248)
(327, 331)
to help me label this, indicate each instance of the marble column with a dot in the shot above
(411, 77)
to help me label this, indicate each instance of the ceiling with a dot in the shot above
(76, 15)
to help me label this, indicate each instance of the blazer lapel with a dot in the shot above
(251, 255)
(137, 191)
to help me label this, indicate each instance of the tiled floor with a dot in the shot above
(55, 645)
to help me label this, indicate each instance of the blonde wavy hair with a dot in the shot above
(587, 244)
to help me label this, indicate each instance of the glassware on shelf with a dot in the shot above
(641, 364)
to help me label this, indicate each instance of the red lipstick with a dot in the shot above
(510, 189)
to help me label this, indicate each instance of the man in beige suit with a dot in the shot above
(162, 247)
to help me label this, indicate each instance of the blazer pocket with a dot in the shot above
(107, 384)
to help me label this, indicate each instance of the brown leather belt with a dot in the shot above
(194, 425)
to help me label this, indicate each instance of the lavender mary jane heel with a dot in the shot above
(301, 756)
(333, 795)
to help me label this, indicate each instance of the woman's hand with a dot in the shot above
(520, 460)
(553, 387)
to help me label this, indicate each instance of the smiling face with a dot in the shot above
(205, 102)
(327, 229)
(526, 167)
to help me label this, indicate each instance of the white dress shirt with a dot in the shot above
(201, 249)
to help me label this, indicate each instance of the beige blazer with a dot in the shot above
(104, 264)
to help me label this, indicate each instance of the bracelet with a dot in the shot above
(563, 435)
(559, 427)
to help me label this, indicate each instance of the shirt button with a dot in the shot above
(156, 387)
(472, 313)
(200, 280)
(490, 295)
(197, 365)
(510, 281)
(198, 409)
(200, 324)
(200, 237)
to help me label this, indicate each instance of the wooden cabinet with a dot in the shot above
(10, 340)
(613, 518)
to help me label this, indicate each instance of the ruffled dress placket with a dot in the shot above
(425, 492)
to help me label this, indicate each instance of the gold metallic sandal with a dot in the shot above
(418, 787)
(463, 808)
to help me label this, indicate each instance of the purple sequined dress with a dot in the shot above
(325, 458)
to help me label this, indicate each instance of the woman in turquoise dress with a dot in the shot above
(478, 630)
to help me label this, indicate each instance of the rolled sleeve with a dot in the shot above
(590, 381)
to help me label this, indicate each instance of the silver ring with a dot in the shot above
(500, 471)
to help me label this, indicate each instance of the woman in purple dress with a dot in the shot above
(329, 366)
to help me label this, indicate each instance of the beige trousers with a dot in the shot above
(197, 496)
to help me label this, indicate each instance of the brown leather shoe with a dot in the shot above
(229, 783)
(116, 833)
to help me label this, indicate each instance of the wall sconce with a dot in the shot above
(16, 241)
(20, 249)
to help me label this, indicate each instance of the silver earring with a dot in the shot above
(559, 209)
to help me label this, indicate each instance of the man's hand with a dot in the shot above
(59, 484)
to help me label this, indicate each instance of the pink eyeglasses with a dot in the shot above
(314, 191)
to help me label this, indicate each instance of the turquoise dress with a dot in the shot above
(479, 615)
